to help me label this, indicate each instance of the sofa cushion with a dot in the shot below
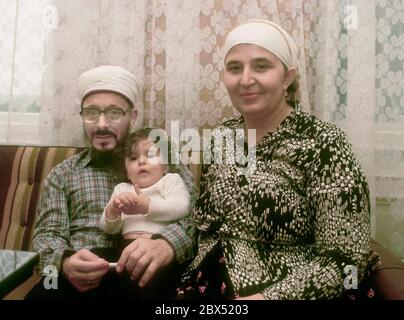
(22, 172)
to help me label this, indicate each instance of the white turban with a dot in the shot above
(267, 35)
(108, 78)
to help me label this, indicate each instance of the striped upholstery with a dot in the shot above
(22, 172)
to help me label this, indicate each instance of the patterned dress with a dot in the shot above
(295, 227)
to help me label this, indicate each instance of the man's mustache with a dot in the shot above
(104, 133)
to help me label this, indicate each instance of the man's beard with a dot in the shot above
(107, 158)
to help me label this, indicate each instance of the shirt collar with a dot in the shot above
(86, 158)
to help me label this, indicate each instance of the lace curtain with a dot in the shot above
(351, 56)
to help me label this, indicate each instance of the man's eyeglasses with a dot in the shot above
(112, 114)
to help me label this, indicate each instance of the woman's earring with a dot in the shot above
(286, 93)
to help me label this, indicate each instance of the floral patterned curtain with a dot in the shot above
(351, 53)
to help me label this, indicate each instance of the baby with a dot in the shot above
(154, 198)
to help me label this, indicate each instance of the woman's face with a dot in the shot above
(256, 80)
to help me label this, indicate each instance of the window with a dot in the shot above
(24, 30)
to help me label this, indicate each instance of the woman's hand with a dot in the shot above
(257, 296)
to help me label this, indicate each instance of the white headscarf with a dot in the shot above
(108, 78)
(267, 35)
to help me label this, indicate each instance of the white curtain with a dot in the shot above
(351, 53)
(23, 35)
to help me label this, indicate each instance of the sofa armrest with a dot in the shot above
(21, 291)
(388, 276)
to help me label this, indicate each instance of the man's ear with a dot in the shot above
(133, 115)
(291, 75)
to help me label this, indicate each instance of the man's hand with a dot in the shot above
(144, 257)
(84, 270)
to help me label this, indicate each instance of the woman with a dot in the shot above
(297, 226)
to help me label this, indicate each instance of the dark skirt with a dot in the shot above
(210, 281)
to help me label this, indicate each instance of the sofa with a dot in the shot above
(23, 170)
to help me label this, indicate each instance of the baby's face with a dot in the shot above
(144, 167)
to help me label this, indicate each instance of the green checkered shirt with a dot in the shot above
(74, 197)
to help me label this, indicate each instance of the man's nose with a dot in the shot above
(102, 122)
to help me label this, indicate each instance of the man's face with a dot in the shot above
(105, 134)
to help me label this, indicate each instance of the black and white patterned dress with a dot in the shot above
(294, 228)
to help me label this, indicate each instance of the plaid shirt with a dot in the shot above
(74, 197)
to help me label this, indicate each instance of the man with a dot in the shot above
(76, 191)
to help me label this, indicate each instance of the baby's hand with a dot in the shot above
(143, 202)
(125, 202)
